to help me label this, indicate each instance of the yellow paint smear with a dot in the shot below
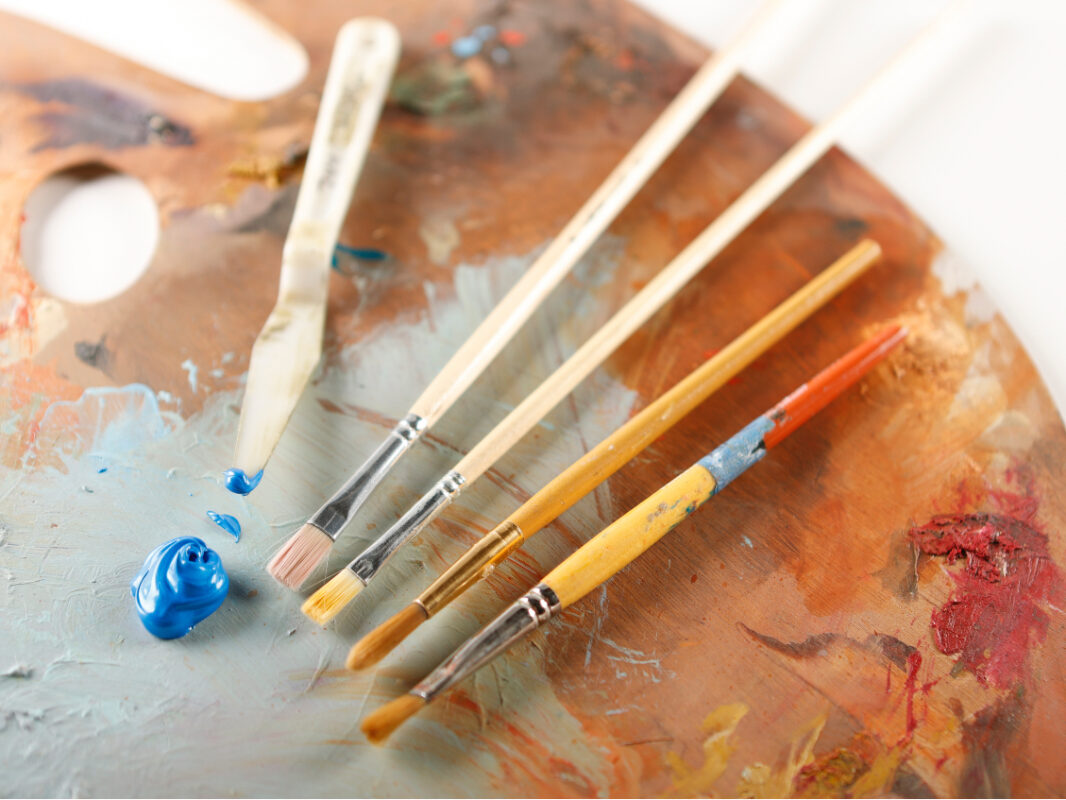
(718, 748)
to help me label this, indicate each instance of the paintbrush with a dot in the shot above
(290, 343)
(328, 601)
(612, 453)
(308, 546)
(620, 543)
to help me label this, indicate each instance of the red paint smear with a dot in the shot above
(512, 38)
(997, 611)
(442, 37)
(910, 686)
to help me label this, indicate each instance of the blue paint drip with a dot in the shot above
(466, 46)
(238, 482)
(181, 583)
(729, 460)
(361, 253)
(227, 522)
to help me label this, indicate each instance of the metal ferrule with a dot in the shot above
(338, 511)
(531, 610)
(367, 563)
(475, 564)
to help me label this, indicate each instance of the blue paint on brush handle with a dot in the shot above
(729, 460)
(238, 482)
(181, 583)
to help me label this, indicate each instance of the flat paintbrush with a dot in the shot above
(328, 601)
(298, 557)
(626, 539)
(290, 343)
(612, 453)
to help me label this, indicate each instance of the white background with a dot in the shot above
(972, 137)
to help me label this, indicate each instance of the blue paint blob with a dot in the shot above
(365, 253)
(485, 32)
(181, 583)
(226, 522)
(238, 482)
(101, 470)
(501, 55)
(361, 253)
(466, 46)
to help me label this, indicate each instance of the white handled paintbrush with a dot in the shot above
(309, 545)
(619, 544)
(290, 343)
(328, 601)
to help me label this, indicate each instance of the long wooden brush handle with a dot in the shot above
(657, 417)
(643, 428)
(590, 221)
(290, 343)
(676, 274)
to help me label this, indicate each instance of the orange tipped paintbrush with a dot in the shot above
(627, 538)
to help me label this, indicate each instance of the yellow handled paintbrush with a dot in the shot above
(624, 540)
(612, 453)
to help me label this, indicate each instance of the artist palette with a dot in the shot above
(872, 611)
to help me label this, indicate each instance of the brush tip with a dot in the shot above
(380, 642)
(299, 556)
(331, 599)
(379, 725)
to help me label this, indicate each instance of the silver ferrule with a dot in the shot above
(527, 613)
(366, 564)
(338, 511)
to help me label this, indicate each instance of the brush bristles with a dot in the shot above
(380, 642)
(331, 599)
(381, 723)
(298, 557)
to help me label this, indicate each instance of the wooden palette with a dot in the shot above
(874, 610)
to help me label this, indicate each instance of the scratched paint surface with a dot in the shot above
(803, 634)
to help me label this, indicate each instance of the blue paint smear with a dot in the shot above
(101, 471)
(226, 522)
(181, 583)
(729, 460)
(361, 253)
(466, 46)
(238, 482)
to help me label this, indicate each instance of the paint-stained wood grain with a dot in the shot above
(798, 618)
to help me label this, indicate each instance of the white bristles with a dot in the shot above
(299, 556)
(331, 599)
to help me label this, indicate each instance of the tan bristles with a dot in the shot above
(331, 599)
(298, 557)
(379, 724)
(379, 642)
